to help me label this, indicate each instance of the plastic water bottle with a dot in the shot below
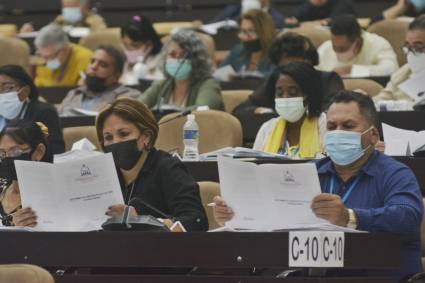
(190, 139)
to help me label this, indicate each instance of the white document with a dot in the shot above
(214, 27)
(238, 152)
(269, 196)
(84, 112)
(69, 196)
(414, 86)
(79, 32)
(225, 73)
(358, 71)
(399, 142)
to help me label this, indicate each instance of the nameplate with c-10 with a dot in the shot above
(316, 249)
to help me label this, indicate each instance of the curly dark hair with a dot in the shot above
(291, 44)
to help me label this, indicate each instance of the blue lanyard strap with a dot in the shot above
(350, 189)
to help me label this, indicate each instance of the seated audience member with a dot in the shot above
(289, 47)
(75, 13)
(101, 85)
(300, 129)
(64, 60)
(408, 8)
(20, 140)
(351, 52)
(415, 52)
(19, 101)
(188, 81)
(320, 12)
(142, 49)
(256, 35)
(382, 194)
(128, 129)
(234, 12)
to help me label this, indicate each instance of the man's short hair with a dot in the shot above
(346, 25)
(51, 35)
(418, 23)
(365, 103)
(117, 56)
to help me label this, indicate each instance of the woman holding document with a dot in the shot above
(153, 182)
(19, 141)
(300, 129)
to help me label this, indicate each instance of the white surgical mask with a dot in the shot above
(53, 64)
(10, 105)
(72, 15)
(250, 5)
(348, 55)
(416, 62)
(291, 109)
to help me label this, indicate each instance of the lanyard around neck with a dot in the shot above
(350, 189)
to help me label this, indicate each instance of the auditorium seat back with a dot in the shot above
(8, 30)
(109, 36)
(317, 35)
(14, 51)
(24, 273)
(208, 191)
(369, 86)
(217, 129)
(233, 98)
(74, 134)
(395, 32)
(165, 28)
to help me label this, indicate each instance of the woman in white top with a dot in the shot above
(300, 129)
(142, 46)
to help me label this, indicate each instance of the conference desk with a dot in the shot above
(208, 170)
(170, 257)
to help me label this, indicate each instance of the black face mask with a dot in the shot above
(126, 154)
(7, 166)
(95, 84)
(252, 45)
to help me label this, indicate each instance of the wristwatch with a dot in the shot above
(352, 219)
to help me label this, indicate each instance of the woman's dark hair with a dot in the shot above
(21, 77)
(140, 28)
(28, 132)
(308, 80)
(293, 45)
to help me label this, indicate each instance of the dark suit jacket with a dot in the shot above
(38, 111)
(165, 184)
(308, 12)
(233, 12)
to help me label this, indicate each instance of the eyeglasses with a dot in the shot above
(416, 49)
(14, 152)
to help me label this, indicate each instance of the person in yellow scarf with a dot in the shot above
(299, 130)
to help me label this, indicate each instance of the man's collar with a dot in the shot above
(368, 168)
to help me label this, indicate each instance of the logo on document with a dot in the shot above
(289, 179)
(85, 171)
(86, 174)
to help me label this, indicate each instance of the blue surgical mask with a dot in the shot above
(418, 4)
(344, 147)
(178, 69)
(72, 15)
(53, 64)
(10, 105)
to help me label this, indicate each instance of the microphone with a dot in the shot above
(182, 114)
(151, 207)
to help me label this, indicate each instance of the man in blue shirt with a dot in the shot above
(363, 188)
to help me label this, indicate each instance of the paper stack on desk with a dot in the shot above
(400, 142)
(270, 197)
(70, 196)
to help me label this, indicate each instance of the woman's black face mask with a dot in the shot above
(7, 166)
(126, 154)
